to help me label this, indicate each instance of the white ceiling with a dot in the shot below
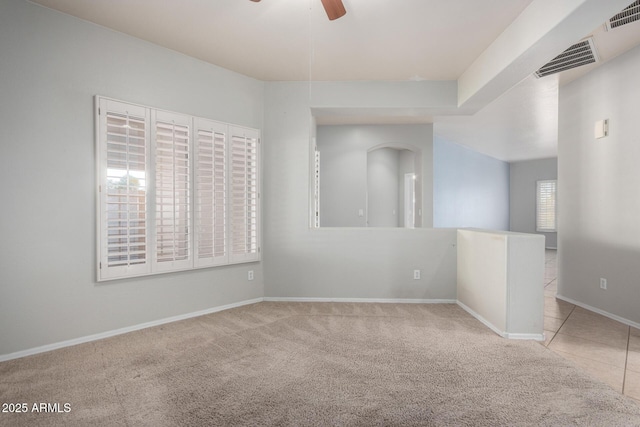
(397, 40)
(293, 39)
(520, 125)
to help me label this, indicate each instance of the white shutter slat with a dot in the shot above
(210, 193)
(172, 191)
(546, 206)
(123, 152)
(244, 185)
(175, 192)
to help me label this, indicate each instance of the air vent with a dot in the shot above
(630, 14)
(579, 54)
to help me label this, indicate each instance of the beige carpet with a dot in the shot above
(308, 364)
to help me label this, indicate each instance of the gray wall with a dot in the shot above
(52, 65)
(522, 195)
(382, 187)
(599, 188)
(343, 176)
(343, 168)
(336, 262)
(469, 188)
(406, 164)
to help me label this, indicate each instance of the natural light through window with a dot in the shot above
(546, 206)
(176, 192)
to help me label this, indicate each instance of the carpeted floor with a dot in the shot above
(308, 364)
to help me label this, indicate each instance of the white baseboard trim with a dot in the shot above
(107, 334)
(363, 300)
(482, 320)
(534, 337)
(598, 311)
(120, 331)
(503, 334)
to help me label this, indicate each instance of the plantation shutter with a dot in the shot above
(244, 194)
(175, 192)
(210, 193)
(546, 206)
(123, 150)
(316, 189)
(172, 153)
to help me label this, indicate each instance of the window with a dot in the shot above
(171, 155)
(316, 188)
(546, 206)
(175, 192)
(243, 194)
(211, 193)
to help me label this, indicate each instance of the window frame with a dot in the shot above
(542, 225)
(194, 226)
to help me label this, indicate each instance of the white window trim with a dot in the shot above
(541, 228)
(195, 124)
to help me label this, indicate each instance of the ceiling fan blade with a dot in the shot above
(255, 1)
(334, 8)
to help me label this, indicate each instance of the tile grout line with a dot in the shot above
(581, 356)
(563, 322)
(626, 359)
(566, 318)
(543, 288)
(624, 376)
(592, 341)
(558, 331)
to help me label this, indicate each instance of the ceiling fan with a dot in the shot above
(334, 8)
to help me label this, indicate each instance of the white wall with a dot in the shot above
(301, 262)
(499, 277)
(522, 195)
(51, 66)
(599, 189)
(469, 188)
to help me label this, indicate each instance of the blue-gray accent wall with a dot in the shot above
(470, 189)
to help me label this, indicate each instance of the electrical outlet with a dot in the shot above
(416, 274)
(603, 283)
(250, 275)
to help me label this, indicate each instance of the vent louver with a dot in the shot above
(630, 14)
(579, 54)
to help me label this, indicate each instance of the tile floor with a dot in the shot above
(605, 348)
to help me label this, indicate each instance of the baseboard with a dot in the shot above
(363, 300)
(482, 320)
(102, 335)
(533, 337)
(95, 337)
(503, 334)
(598, 311)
